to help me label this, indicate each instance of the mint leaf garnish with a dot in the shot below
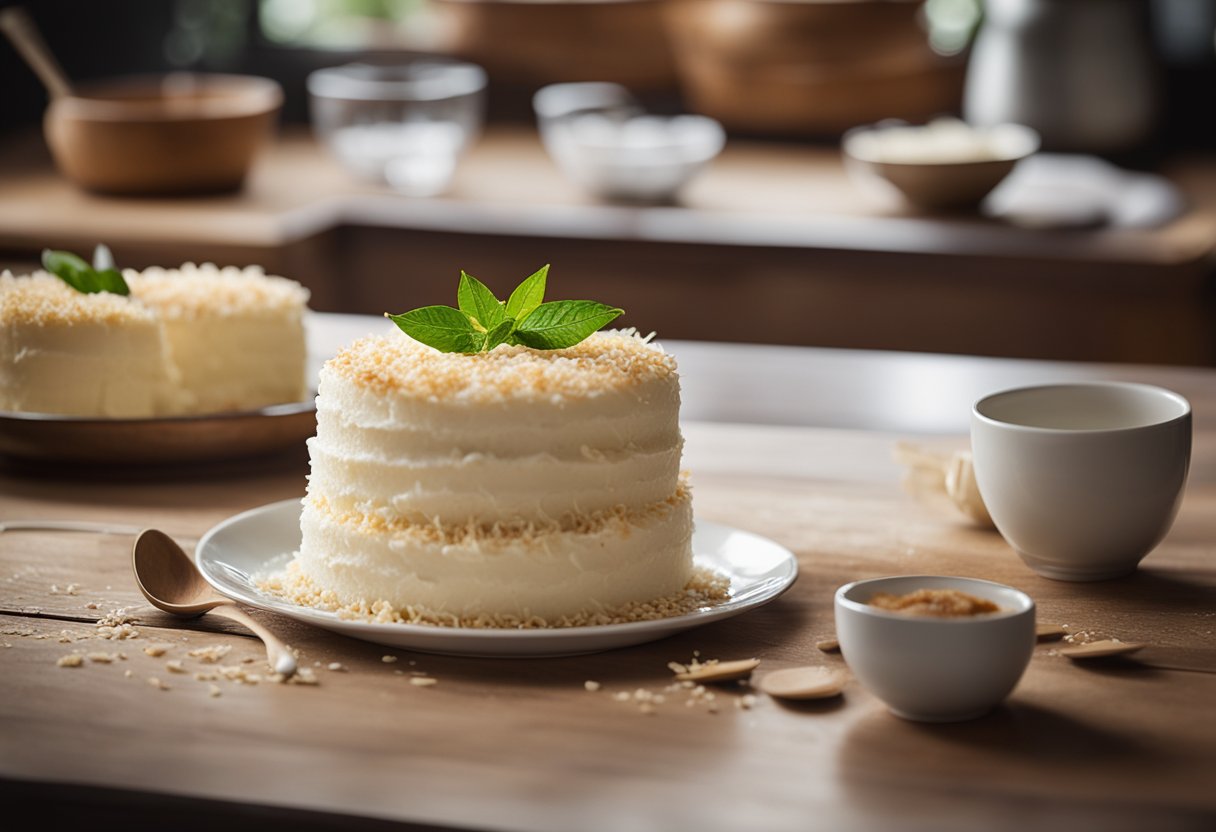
(563, 323)
(478, 302)
(442, 327)
(500, 334)
(82, 277)
(483, 322)
(528, 295)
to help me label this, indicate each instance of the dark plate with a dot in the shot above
(214, 436)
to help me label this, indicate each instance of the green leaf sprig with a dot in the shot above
(72, 270)
(482, 321)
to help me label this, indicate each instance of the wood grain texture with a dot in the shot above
(521, 745)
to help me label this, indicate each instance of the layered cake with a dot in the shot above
(235, 336)
(515, 487)
(65, 352)
(193, 340)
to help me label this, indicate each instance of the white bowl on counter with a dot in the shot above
(603, 141)
(943, 165)
(930, 669)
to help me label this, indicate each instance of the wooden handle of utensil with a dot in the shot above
(16, 23)
(280, 656)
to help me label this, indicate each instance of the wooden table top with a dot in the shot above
(793, 444)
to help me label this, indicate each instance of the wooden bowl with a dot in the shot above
(537, 42)
(173, 134)
(809, 67)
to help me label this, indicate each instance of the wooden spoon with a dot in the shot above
(169, 580)
(1101, 649)
(20, 29)
(804, 683)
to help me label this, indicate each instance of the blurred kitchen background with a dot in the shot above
(722, 169)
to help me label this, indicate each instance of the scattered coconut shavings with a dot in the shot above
(116, 624)
(688, 691)
(71, 660)
(211, 654)
(591, 685)
(423, 681)
(157, 650)
(706, 588)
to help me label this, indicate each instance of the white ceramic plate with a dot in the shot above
(258, 540)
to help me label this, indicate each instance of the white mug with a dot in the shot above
(1083, 480)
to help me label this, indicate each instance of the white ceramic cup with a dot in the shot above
(1083, 480)
(936, 669)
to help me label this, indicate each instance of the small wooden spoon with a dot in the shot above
(804, 683)
(169, 580)
(20, 29)
(1101, 649)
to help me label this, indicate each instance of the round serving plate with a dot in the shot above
(234, 553)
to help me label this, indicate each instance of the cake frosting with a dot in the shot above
(193, 340)
(516, 484)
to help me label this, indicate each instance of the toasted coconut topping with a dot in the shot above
(206, 289)
(41, 299)
(396, 364)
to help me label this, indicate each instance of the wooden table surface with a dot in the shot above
(784, 443)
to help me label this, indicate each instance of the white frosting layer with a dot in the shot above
(94, 368)
(550, 574)
(542, 484)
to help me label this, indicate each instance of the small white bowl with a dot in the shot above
(603, 141)
(936, 669)
(941, 166)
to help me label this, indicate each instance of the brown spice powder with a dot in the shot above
(936, 603)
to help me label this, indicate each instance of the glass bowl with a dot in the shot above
(605, 142)
(407, 125)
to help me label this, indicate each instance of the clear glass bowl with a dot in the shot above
(405, 124)
(603, 139)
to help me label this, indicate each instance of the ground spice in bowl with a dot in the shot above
(936, 603)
